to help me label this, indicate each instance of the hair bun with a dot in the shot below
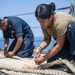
(52, 5)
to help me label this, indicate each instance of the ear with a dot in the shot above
(51, 17)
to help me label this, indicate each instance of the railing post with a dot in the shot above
(72, 9)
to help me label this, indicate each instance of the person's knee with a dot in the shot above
(25, 53)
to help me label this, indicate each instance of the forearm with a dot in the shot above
(17, 46)
(6, 42)
(53, 52)
(57, 47)
(43, 45)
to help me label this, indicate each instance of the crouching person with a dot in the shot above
(22, 35)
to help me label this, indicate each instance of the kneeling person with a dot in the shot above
(17, 29)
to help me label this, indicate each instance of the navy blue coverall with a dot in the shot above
(18, 27)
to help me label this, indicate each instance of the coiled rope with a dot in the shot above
(42, 72)
(4, 72)
(47, 65)
(60, 61)
(68, 64)
(9, 67)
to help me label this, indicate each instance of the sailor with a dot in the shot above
(22, 35)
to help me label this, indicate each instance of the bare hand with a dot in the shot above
(9, 54)
(6, 53)
(39, 60)
(36, 54)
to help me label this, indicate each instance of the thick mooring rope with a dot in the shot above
(6, 72)
(47, 65)
(68, 64)
(42, 71)
(60, 61)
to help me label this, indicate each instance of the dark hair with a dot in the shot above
(44, 11)
(1, 24)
